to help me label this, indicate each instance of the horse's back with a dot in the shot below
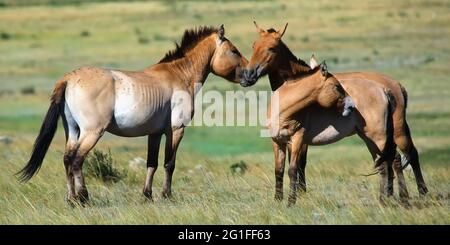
(394, 87)
(325, 126)
(371, 101)
(388, 83)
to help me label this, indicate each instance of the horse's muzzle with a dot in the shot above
(249, 77)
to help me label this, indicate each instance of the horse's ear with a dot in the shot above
(281, 32)
(258, 29)
(324, 69)
(221, 32)
(313, 62)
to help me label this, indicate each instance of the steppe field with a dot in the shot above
(41, 40)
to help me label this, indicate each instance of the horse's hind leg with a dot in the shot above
(406, 145)
(86, 142)
(173, 139)
(71, 131)
(154, 141)
(383, 157)
(402, 189)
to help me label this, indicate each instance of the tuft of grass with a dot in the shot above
(159, 37)
(100, 165)
(238, 168)
(28, 90)
(5, 36)
(85, 33)
(429, 59)
(143, 40)
(402, 14)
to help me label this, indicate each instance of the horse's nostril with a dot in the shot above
(252, 74)
(249, 74)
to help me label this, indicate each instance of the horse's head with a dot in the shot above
(265, 54)
(227, 61)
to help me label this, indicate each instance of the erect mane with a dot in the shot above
(190, 38)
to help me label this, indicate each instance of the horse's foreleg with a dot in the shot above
(279, 150)
(302, 167)
(296, 144)
(173, 139)
(154, 141)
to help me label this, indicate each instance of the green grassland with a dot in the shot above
(408, 40)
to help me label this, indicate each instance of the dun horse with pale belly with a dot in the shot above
(93, 100)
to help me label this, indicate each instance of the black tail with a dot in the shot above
(390, 147)
(45, 136)
(405, 96)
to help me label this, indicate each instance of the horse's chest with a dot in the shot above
(282, 130)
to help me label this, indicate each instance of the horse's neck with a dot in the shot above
(194, 67)
(288, 68)
(298, 95)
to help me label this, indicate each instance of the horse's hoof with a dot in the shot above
(404, 202)
(167, 195)
(83, 196)
(77, 201)
(383, 200)
(279, 197)
(290, 204)
(423, 190)
(148, 196)
(72, 202)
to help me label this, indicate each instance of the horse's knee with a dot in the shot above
(170, 166)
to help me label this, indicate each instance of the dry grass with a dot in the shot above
(407, 40)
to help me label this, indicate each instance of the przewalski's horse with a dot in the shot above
(381, 111)
(93, 100)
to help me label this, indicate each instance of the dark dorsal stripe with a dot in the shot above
(190, 38)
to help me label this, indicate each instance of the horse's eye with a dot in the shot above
(236, 52)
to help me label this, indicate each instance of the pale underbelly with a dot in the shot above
(328, 135)
(326, 127)
(138, 122)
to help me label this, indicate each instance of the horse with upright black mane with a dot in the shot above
(379, 118)
(93, 100)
